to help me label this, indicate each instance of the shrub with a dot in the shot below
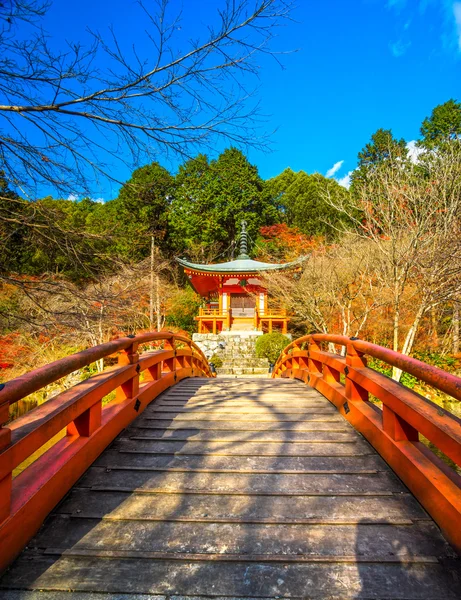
(216, 360)
(184, 307)
(270, 345)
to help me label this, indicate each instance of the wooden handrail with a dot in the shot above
(394, 430)
(87, 425)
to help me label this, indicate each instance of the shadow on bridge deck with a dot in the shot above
(243, 489)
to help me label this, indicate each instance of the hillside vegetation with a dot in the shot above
(383, 258)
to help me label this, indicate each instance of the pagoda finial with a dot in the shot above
(243, 242)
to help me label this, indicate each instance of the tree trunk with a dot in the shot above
(455, 327)
(434, 335)
(151, 307)
(410, 339)
(395, 344)
(158, 303)
(100, 362)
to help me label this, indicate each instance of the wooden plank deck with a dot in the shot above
(237, 489)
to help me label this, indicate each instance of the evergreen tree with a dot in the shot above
(307, 202)
(142, 206)
(213, 197)
(382, 148)
(443, 125)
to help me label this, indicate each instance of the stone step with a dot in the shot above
(253, 362)
(242, 371)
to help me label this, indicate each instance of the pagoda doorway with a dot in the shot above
(242, 305)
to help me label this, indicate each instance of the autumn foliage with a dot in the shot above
(284, 243)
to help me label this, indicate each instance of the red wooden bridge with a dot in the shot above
(312, 484)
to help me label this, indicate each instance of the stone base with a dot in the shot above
(237, 350)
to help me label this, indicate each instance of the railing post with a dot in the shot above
(315, 366)
(87, 423)
(169, 365)
(130, 388)
(357, 359)
(153, 373)
(6, 482)
(396, 428)
(169, 344)
(331, 375)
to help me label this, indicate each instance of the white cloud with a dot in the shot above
(414, 151)
(76, 198)
(346, 180)
(399, 48)
(334, 168)
(457, 14)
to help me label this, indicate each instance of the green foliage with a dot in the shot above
(216, 360)
(378, 365)
(447, 363)
(270, 345)
(50, 236)
(142, 210)
(443, 125)
(212, 198)
(305, 201)
(383, 148)
(278, 186)
(183, 309)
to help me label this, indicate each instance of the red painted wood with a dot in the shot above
(27, 500)
(394, 430)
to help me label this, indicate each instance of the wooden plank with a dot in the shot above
(239, 437)
(244, 483)
(235, 579)
(217, 411)
(238, 418)
(298, 541)
(242, 464)
(142, 426)
(243, 425)
(320, 448)
(187, 492)
(395, 508)
(407, 559)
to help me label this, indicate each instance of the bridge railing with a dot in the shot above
(394, 430)
(78, 415)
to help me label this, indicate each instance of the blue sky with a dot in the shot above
(359, 65)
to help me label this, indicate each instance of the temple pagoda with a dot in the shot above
(234, 295)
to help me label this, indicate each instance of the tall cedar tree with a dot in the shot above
(213, 197)
(443, 125)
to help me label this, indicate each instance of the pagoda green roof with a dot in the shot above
(241, 265)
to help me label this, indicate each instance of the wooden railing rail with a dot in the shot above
(210, 312)
(395, 429)
(87, 427)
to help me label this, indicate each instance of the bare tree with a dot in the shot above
(90, 314)
(411, 215)
(84, 117)
(337, 291)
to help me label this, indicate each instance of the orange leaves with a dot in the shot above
(10, 349)
(286, 242)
